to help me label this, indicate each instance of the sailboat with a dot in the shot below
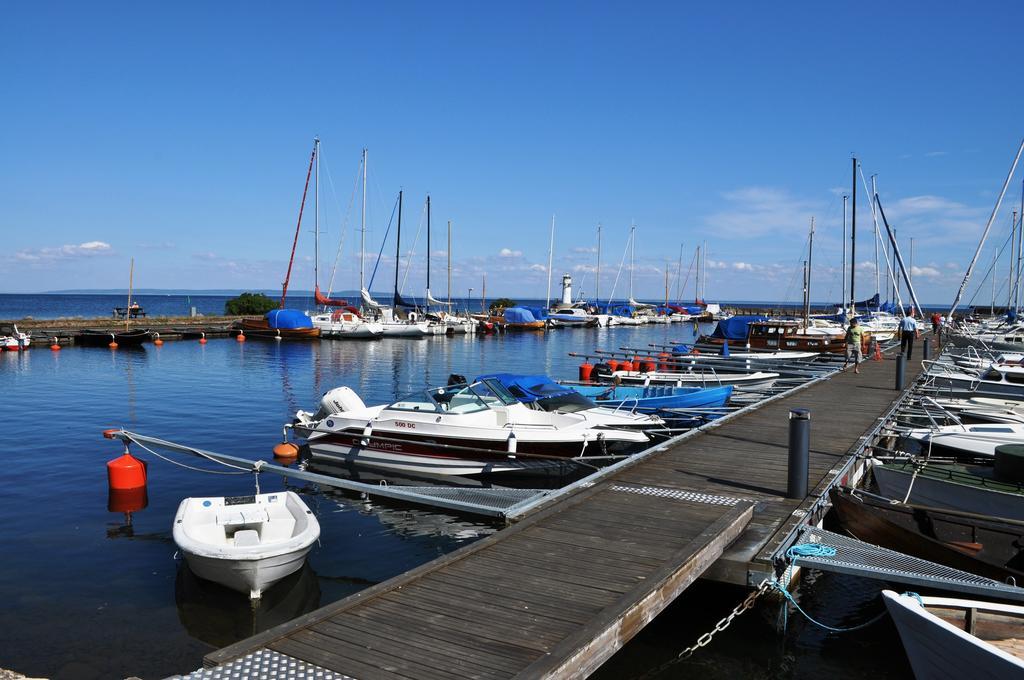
(453, 323)
(392, 325)
(342, 321)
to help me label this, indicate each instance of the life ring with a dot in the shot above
(412, 316)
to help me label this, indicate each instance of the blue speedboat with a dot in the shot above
(655, 397)
(550, 395)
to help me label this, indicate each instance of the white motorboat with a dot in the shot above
(572, 316)
(246, 543)
(969, 440)
(704, 378)
(955, 638)
(985, 409)
(15, 342)
(456, 430)
(996, 381)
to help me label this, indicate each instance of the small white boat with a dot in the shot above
(952, 638)
(969, 440)
(713, 378)
(247, 543)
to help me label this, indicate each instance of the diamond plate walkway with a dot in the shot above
(558, 593)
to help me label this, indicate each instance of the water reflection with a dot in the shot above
(220, 616)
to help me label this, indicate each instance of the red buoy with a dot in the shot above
(55, 346)
(156, 339)
(626, 365)
(126, 472)
(663, 360)
(585, 370)
(112, 345)
(613, 365)
(202, 338)
(240, 337)
(649, 365)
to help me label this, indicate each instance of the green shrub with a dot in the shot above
(249, 303)
(502, 303)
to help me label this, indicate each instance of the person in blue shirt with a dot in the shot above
(908, 333)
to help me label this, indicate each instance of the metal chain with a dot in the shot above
(706, 638)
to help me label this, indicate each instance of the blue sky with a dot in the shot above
(179, 135)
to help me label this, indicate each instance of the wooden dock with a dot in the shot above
(557, 594)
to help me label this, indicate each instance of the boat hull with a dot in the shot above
(247, 576)
(968, 495)
(937, 649)
(259, 328)
(98, 338)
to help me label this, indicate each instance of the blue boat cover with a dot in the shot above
(735, 328)
(539, 313)
(288, 318)
(529, 388)
(681, 349)
(518, 315)
(694, 310)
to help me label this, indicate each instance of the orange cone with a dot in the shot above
(878, 352)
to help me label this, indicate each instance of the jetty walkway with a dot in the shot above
(558, 593)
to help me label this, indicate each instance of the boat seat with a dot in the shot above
(229, 517)
(246, 537)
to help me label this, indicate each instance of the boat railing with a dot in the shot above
(635, 400)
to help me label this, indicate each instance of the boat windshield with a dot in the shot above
(457, 399)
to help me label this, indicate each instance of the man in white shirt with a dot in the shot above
(908, 332)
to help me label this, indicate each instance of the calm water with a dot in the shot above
(86, 594)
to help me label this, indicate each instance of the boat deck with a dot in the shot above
(558, 593)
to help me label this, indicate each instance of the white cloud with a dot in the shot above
(743, 266)
(508, 252)
(582, 250)
(927, 272)
(65, 252)
(934, 154)
(762, 211)
(538, 268)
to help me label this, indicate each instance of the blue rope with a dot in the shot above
(815, 550)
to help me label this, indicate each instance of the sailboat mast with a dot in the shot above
(632, 249)
(667, 264)
(398, 248)
(449, 267)
(427, 301)
(704, 278)
(128, 314)
(679, 273)
(551, 249)
(316, 216)
(696, 279)
(842, 297)
(810, 256)
(853, 237)
(362, 227)
(298, 225)
(483, 295)
(597, 294)
(804, 303)
(1020, 254)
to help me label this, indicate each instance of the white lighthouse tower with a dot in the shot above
(566, 289)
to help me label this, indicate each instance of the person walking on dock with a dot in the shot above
(908, 333)
(854, 340)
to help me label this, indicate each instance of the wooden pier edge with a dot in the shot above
(585, 651)
(251, 644)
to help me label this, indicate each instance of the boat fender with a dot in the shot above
(512, 445)
(367, 433)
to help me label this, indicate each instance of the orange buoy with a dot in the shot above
(202, 338)
(626, 365)
(614, 365)
(286, 450)
(585, 370)
(126, 472)
(55, 346)
(112, 345)
(240, 337)
(156, 339)
(127, 500)
(109, 434)
(663, 360)
(649, 365)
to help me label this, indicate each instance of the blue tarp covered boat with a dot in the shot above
(735, 328)
(532, 388)
(653, 397)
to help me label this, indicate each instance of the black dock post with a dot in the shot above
(927, 345)
(799, 452)
(901, 369)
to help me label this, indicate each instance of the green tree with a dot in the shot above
(502, 303)
(249, 303)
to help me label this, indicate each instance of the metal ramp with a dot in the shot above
(264, 665)
(871, 561)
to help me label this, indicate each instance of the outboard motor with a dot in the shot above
(338, 400)
(602, 372)
(456, 379)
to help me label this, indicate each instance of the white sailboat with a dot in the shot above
(341, 322)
